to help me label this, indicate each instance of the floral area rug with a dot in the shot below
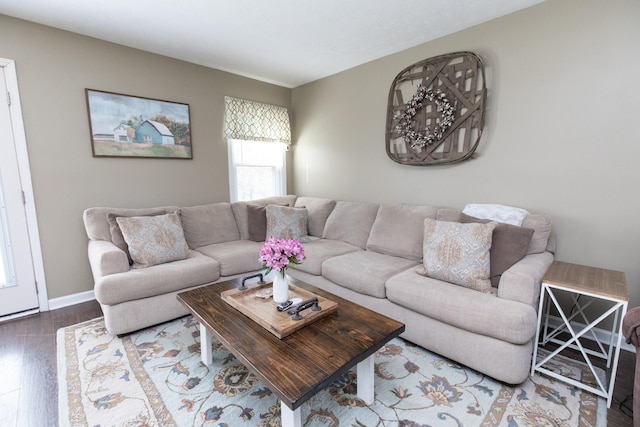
(155, 378)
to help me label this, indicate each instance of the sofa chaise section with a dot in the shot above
(490, 332)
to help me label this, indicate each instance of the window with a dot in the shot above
(256, 169)
(258, 137)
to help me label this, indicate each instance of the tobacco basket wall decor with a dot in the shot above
(435, 113)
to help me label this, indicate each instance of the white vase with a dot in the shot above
(280, 287)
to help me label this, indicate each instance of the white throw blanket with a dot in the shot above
(500, 213)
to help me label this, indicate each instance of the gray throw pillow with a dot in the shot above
(257, 222)
(509, 245)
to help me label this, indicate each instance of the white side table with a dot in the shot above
(583, 285)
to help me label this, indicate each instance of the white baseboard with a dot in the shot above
(68, 300)
(602, 334)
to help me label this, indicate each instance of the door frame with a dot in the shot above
(20, 140)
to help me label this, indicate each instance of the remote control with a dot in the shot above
(284, 305)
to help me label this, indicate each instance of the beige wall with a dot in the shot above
(559, 138)
(54, 67)
(561, 135)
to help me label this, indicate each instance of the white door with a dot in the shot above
(17, 278)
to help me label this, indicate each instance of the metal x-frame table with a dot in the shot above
(580, 283)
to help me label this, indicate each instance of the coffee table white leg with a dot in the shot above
(206, 354)
(290, 417)
(366, 380)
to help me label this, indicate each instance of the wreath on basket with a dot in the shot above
(422, 139)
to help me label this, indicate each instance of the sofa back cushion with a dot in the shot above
(208, 224)
(350, 222)
(398, 230)
(240, 213)
(319, 210)
(540, 241)
(96, 221)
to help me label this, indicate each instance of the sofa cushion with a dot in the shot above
(449, 214)
(157, 280)
(284, 222)
(237, 257)
(319, 210)
(509, 245)
(317, 251)
(481, 313)
(350, 222)
(154, 239)
(541, 225)
(458, 253)
(398, 230)
(97, 225)
(240, 210)
(364, 271)
(208, 224)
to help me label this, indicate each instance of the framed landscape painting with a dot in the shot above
(133, 126)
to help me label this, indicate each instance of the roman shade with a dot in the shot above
(256, 121)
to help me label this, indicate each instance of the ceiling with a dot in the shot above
(285, 42)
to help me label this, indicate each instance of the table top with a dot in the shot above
(593, 280)
(296, 367)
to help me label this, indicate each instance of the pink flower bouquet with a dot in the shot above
(278, 254)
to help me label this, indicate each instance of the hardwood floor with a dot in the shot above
(28, 372)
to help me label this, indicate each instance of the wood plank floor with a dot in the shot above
(28, 373)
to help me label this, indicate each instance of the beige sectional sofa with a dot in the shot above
(370, 254)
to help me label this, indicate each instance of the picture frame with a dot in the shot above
(134, 126)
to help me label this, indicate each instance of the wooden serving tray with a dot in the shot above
(262, 310)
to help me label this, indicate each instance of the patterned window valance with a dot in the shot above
(255, 121)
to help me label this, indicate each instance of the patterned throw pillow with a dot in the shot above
(458, 253)
(116, 234)
(154, 239)
(285, 222)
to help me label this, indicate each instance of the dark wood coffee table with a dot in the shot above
(296, 367)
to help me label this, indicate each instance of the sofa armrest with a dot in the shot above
(106, 258)
(522, 281)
